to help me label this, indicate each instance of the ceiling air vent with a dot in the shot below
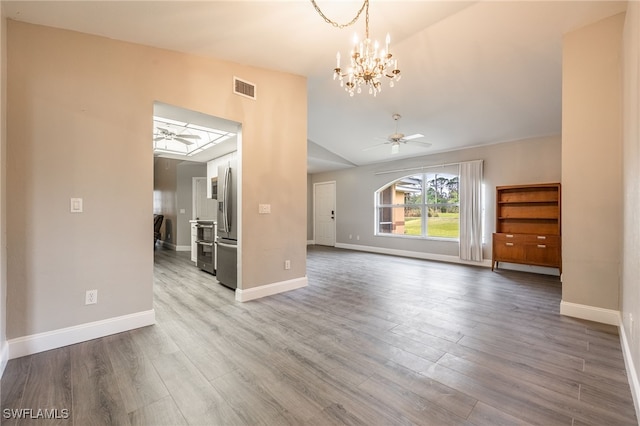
(244, 88)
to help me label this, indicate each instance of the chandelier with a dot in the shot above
(369, 65)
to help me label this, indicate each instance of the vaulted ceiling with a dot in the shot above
(473, 72)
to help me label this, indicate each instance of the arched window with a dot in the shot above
(423, 205)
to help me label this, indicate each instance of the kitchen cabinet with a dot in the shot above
(528, 227)
(194, 237)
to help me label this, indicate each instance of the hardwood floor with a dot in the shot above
(373, 340)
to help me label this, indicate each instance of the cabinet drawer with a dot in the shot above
(509, 238)
(508, 251)
(543, 254)
(549, 240)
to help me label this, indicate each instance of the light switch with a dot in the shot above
(264, 208)
(76, 205)
(182, 211)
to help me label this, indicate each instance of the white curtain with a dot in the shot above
(471, 210)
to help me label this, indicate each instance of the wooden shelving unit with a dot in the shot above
(528, 227)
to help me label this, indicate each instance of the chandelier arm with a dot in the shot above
(365, 5)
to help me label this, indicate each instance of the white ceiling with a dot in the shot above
(473, 72)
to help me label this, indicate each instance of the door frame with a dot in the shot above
(315, 186)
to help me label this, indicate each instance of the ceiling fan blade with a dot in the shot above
(188, 136)
(184, 141)
(158, 138)
(410, 137)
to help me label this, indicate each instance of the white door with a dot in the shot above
(203, 207)
(324, 213)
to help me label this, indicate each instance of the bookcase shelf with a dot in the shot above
(528, 227)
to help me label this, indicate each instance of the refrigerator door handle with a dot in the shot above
(226, 245)
(227, 188)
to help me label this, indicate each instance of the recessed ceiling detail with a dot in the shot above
(187, 139)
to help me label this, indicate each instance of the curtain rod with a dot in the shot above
(419, 168)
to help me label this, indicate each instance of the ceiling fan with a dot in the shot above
(395, 139)
(165, 134)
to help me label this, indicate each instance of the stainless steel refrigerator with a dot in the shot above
(227, 239)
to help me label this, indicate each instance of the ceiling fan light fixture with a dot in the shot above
(396, 138)
(184, 139)
(369, 65)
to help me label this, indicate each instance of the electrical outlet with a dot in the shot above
(350, 236)
(287, 264)
(358, 237)
(91, 297)
(76, 205)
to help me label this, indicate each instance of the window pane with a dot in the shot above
(443, 221)
(400, 220)
(409, 189)
(407, 200)
(442, 188)
(385, 196)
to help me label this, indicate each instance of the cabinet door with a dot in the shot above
(194, 246)
(508, 248)
(543, 252)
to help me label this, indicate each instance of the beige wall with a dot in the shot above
(591, 164)
(3, 193)
(631, 182)
(528, 161)
(81, 126)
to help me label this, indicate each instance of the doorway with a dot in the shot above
(187, 145)
(324, 213)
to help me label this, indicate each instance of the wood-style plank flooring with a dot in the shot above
(373, 340)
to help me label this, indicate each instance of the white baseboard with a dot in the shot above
(270, 289)
(311, 242)
(4, 356)
(182, 248)
(632, 374)
(41, 342)
(167, 244)
(591, 313)
(414, 254)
